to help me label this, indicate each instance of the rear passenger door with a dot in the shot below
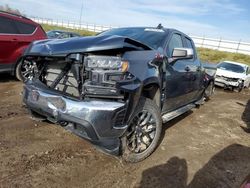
(14, 36)
(8, 40)
(196, 82)
(26, 32)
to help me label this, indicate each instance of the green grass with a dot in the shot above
(215, 56)
(209, 55)
(47, 27)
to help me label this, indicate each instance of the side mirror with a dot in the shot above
(182, 53)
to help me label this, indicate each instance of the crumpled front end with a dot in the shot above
(91, 90)
(96, 120)
(86, 92)
(227, 82)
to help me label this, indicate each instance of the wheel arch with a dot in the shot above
(15, 65)
(152, 91)
(19, 55)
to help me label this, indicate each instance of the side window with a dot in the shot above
(7, 26)
(25, 28)
(189, 43)
(74, 35)
(248, 70)
(175, 42)
(64, 35)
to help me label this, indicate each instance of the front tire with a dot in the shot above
(239, 88)
(247, 86)
(144, 131)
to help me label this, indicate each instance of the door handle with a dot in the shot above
(187, 69)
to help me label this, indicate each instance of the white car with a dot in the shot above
(232, 75)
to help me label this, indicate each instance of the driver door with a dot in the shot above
(179, 78)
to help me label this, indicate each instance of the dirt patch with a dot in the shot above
(206, 147)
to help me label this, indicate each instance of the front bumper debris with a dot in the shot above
(225, 83)
(99, 121)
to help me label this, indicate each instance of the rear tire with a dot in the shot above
(209, 91)
(18, 71)
(24, 70)
(144, 131)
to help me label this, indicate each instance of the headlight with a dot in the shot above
(106, 62)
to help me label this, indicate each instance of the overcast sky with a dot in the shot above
(229, 19)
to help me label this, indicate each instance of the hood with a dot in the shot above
(230, 74)
(63, 47)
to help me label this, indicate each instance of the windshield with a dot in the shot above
(231, 67)
(153, 38)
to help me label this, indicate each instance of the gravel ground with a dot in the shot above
(206, 147)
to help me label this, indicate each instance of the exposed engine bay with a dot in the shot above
(82, 76)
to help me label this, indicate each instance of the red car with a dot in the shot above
(16, 33)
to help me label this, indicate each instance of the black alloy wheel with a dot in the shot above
(25, 70)
(143, 133)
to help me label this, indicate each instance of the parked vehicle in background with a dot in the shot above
(59, 34)
(16, 33)
(117, 88)
(232, 75)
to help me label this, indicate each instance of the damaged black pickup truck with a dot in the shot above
(117, 88)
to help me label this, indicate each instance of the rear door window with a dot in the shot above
(25, 28)
(7, 26)
(189, 44)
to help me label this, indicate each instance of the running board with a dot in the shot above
(171, 115)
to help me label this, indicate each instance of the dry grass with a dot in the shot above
(215, 56)
(47, 27)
